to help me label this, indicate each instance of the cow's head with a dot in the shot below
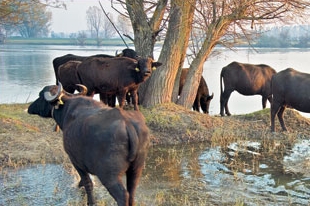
(50, 97)
(145, 66)
(205, 102)
(130, 53)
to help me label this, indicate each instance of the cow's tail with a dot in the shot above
(221, 82)
(133, 142)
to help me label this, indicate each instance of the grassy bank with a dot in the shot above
(28, 138)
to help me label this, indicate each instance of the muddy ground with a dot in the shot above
(27, 139)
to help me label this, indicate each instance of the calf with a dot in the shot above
(100, 140)
(290, 88)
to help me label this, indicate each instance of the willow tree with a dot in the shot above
(218, 22)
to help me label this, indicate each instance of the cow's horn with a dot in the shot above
(49, 97)
(83, 88)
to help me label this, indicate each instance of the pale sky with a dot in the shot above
(74, 18)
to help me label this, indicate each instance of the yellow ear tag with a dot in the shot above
(153, 68)
(137, 69)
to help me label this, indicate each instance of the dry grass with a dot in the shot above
(26, 139)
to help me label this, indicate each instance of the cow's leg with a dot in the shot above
(275, 107)
(270, 99)
(111, 100)
(133, 176)
(135, 100)
(196, 105)
(116, 189)
(280, 117)
(87, 184)
(224, 102)
(121, 96)
(264, 102)
(104, 98)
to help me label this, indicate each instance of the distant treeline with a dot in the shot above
(64, 41)
(282, 37)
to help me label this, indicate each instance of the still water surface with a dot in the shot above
(193, 174)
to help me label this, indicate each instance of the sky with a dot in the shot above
(73, 19)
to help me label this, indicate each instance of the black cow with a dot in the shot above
(118, 76)
(100, 140)
(69, 79)
(203, 98)
(247, 79)
(290, 88)
(68, 57)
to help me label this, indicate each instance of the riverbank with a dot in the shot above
(29, 139)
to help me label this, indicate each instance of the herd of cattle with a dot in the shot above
(110, 142)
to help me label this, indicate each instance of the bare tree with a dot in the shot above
(94, 19)
(216, 22)
(108, 29)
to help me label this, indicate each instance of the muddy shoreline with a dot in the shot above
(28, 138)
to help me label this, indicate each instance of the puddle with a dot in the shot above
(191, 174)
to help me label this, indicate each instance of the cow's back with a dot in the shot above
(291, 88)
(107, 74)
(109, 136)
(247, 79)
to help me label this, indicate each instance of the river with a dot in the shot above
(184, 174)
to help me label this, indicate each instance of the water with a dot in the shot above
(26, 69)
(189, 174)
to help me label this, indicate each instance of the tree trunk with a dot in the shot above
(160, 85)
(214, 32)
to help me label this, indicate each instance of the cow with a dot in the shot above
(118, 75)
(290, 88)
(203, 98)
(247, 79)
(71, 57)
(99, 140)
(70, 77)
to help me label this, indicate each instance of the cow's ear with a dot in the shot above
(156, 64)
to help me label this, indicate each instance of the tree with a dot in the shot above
(30, 16)
(94, 19)
(221, 22)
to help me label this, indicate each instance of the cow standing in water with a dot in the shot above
(99, 140)
(290, 88)
(247, 79)
(203, 98)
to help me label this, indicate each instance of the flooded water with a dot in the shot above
(240, 174)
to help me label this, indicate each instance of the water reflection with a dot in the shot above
(195, 174)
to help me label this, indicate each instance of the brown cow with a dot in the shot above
(69, 78)
(203, 98)
(247, 79)
(99, 140)
(71, 57)
(290, 88)
(118, 76)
